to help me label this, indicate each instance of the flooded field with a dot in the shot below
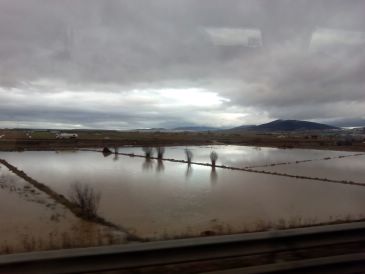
(31, 220)
(347, 168)
(161, 200)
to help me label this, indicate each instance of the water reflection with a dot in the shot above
(166, 202)
(189, 171)
(160, 166)
(147, 164)
(116, 154)
(213, 176)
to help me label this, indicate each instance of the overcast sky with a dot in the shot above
(167, 63)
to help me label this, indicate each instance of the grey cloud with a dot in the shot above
(91, 45)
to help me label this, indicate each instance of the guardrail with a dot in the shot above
(296, 247)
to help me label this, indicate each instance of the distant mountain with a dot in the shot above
(149, 129)
(196, 128)
(286, 125)
(243, 128)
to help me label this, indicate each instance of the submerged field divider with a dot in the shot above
(306, 161)
(76, 210)
(247, 169)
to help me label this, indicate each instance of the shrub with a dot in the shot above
(86, 198)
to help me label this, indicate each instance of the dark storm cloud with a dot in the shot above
(116, 63)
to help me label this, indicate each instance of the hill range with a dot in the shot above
(286, 125)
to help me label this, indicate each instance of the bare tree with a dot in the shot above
(213, 158)
(86, 198)
(189, 155)
(148, 152)
(160, 152)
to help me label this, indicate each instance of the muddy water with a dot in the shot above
(243, 156)
(349, 168)
(162, 200)
(30, 220)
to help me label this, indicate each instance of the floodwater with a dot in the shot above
(161, 200)
(31, 220)
(350, 168)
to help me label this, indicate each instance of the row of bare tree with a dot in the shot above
(87, 198)
(148, 151)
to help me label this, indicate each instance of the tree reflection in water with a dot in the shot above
(116, 154)
(213, 176)
(160, 166)
(147, 164)
(189, 171)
